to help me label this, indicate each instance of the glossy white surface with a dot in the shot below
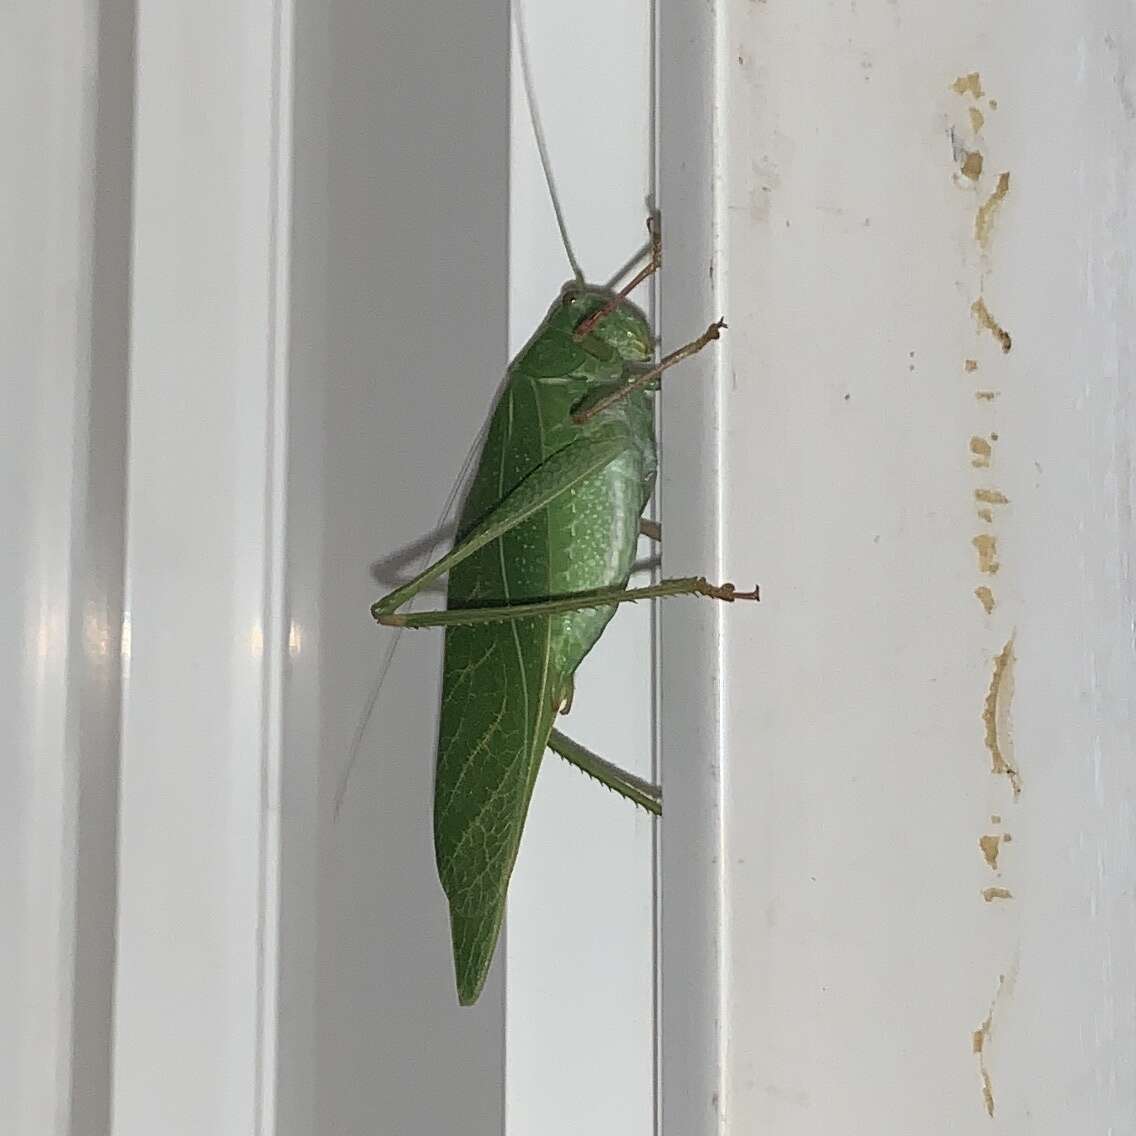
(203, 570)
(64, 209)
(580, 980)
(858, 949)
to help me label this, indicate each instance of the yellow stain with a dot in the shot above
(968, 85)
(996, 717)
(984, 218)
(988, 323)
(991, 497)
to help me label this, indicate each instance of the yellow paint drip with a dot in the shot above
(991, 497)
(968, 85)
(996, 718)
(984, 218)
(988, 323)
(987, 548)
(990, 845)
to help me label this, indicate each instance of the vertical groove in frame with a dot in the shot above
(103, 549)
(503, 941)
(719, 296)
(275, 580)
(691, 945)
(656, 643)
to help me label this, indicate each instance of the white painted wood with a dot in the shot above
(580, 1004)
(823, 889)
(64, 204)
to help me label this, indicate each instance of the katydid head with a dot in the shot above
(623, 328)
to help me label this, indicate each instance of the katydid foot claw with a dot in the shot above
(728, 592)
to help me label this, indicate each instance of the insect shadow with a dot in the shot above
(405, 563)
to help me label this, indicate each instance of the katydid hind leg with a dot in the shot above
(558, 475)
(561, 605)
(642, 793)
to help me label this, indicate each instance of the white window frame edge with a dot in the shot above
(242, 108)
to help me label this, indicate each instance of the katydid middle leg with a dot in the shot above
(635, 789)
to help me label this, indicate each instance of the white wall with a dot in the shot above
(847, 937)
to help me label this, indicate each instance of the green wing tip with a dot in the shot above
(470, 983)
(475, 942)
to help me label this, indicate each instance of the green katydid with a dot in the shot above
(545, 546)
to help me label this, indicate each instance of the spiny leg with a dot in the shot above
(644, 380)
(581, 601)
(559, 474)
(635, 789)
(655, 228)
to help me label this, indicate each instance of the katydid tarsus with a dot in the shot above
(545, 546)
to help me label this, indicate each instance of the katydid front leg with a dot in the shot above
(655, 231)
(564, 470)
(593, 407)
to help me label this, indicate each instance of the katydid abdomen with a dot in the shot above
(504, 682)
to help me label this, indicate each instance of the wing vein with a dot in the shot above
(535, 752)
(505, 578)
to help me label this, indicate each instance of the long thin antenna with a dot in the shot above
(388, 657)
(538, 134)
